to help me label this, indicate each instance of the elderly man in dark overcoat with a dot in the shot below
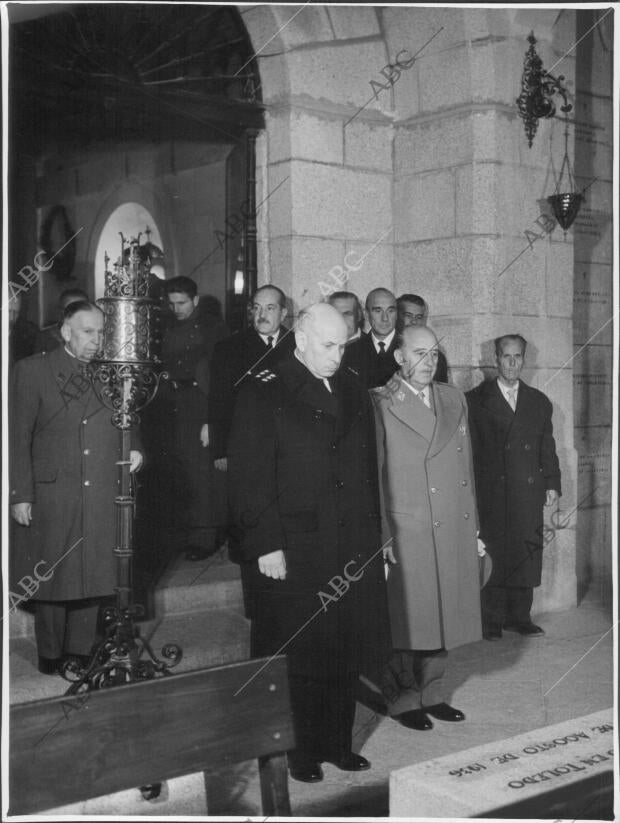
(303, 489)
(64, 478)
(429, 511)
(517, 474)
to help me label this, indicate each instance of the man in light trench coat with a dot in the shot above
(428, 508)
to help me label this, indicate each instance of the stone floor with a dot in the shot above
(505, 688)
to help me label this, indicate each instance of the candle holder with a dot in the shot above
(125, 377)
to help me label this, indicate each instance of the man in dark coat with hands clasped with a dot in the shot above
(303, 489)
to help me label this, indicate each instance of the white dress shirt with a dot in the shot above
(387, 340)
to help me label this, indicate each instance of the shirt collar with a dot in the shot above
(505, 389)
(387, 340)
(264, 337)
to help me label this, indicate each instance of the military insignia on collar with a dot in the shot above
(401, 395)
(265, 376)
(463, 429)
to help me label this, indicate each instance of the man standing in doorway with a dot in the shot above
(517, 474)
(196, 493)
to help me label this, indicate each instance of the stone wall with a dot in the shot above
(593, 298)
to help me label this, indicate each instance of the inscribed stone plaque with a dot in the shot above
(472, 782)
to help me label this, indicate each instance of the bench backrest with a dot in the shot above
(67, 749)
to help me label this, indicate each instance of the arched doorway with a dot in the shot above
(161, 95)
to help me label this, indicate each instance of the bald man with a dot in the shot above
(428, 508)
(371, 357)
(303, 481)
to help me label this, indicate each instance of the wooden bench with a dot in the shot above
(68, 749)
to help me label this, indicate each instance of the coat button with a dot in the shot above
(433, 490)
(339, 484)
(84, 422)
(459, 448)
(463, 482)
(437, 524)
(334, 446)
(530, 480)
(466, 516)
(86, 451)
(87, 482)
(527, 447)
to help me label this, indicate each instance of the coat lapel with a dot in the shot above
(411, 411)
(448, 411)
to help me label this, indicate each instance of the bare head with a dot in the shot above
(412, 310)
(82, 329)
(320, 334)
(381, 312)
(509, 357)
(417, 355)
(268, 309)
(349, 307)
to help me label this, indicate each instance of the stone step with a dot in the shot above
(207, 638)
(185, 587)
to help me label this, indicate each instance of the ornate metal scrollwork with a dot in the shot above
(537, 89)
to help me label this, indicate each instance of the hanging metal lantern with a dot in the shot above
(566, 204)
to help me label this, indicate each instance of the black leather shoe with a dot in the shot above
(414, 719)
(442, 711)
(351, 763)
(49, 665)
(526, 629)
(492, 634)
(308, 771)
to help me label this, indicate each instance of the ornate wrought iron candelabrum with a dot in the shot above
(125, 377)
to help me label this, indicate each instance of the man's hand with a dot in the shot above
(388, 555)
(135, 460)
(552, 497)
(221, 464)
(204, 435)
(22, 512)
(273, 565)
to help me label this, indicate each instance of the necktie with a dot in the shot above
(270, 342)
(424, 398)
(382, 348)
(512, 398)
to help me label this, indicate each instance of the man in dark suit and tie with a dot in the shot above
(517, 473)
(235, 359)
(371, 357)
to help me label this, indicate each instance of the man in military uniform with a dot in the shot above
(303, 491)
(259, 347)
(413, 311)
(195, 495)
(64, 478)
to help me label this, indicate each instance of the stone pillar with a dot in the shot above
(468, 193)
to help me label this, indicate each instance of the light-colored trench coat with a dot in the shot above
(429, 509)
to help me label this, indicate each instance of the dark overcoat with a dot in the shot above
(361, 358)
(429, 509)
(234, 361)
(515, 464)
(302, 466)
(64, 450)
